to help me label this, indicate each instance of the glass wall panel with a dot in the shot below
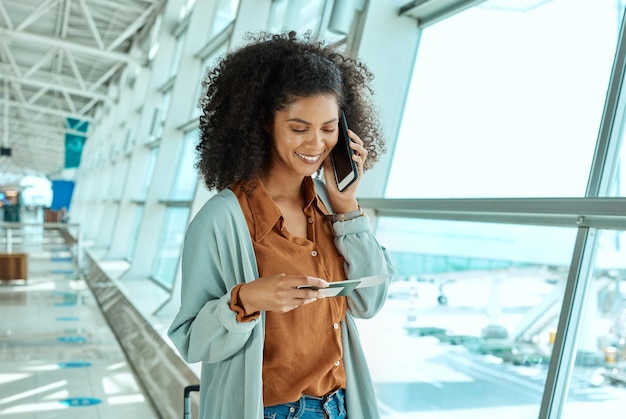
(301, 14)
(224, 15)
(186, 176)
(170, 245)
(178, 53)
(470, 320)
(134, 232)
(598, 384)
(149, 172)
(207, 64)
(506, 100)
(161, 118)
(619, 181)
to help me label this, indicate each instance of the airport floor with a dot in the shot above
(58, 356)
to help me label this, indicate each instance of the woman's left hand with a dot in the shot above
(345, 201)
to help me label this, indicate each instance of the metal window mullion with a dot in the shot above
(606, 156)
(571, 319)
(606, 213)
(603, 168)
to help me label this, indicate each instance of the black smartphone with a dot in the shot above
(345, 169)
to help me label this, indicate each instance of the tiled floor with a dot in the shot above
(58, 356)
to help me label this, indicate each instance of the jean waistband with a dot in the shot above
(335, 396)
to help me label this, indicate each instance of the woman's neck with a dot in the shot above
(283, 188)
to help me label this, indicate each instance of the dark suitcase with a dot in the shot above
(187, 400)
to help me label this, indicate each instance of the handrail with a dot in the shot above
(602, 213)
(9, 226)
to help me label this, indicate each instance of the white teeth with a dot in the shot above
(308, 158)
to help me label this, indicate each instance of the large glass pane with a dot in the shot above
(301, 14)
(178, 54)
(506, 100)
(148, 173)
(134, 232)
(598, 384)
(186, 175)
(166, 100)
(468, 326)
(170, 244)
(619, 181)
(224, 14)
(207, 64)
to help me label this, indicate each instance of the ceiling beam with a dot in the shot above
(49, 111)
(40, 11)
(126, 8)
(55, 87)
(5, 16)
(53, 101)
(92, 24)
(32, 38)
(36, 132)
(136, 25)
(24, 127)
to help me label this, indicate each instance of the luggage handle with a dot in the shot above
(187, 401)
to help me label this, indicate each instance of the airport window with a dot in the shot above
(496, 117)
(149, 172)
(302, 14)
(207, 64)
(225, 13)
(188, 7)
(166, 100)
(470, 319)
(619, 181)
(512, 115)
(172, 235)
(186, 177)
(154, 39)
(116, 188)
(134, 232)
(596, 388)
(178, 53)
(129, 141)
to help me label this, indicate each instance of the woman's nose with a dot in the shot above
(318, 138)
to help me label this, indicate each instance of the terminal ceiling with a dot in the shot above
(57, 61)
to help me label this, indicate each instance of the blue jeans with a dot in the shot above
(332, 406)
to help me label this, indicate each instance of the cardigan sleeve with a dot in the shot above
(363, 256)
(217, 255)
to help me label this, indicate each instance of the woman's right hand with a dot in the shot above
(280, 293)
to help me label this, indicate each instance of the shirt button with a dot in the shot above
(337, 363)
(314, 253)
(335, 326)
(310, 220)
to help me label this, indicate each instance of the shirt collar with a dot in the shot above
(265, 212)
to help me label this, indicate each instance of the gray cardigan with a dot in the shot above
(217, 255)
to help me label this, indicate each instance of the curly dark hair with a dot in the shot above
(247, 87)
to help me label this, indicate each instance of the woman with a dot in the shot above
(270, 348)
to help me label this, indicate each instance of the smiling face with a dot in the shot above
(303, 135)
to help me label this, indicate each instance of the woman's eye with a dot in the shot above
(329, 130)
(298, 130)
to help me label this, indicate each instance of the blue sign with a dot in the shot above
(71, 339)
(65, 304)
(80, 401)
(62, 272)
(67, 319)
(74, 364)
